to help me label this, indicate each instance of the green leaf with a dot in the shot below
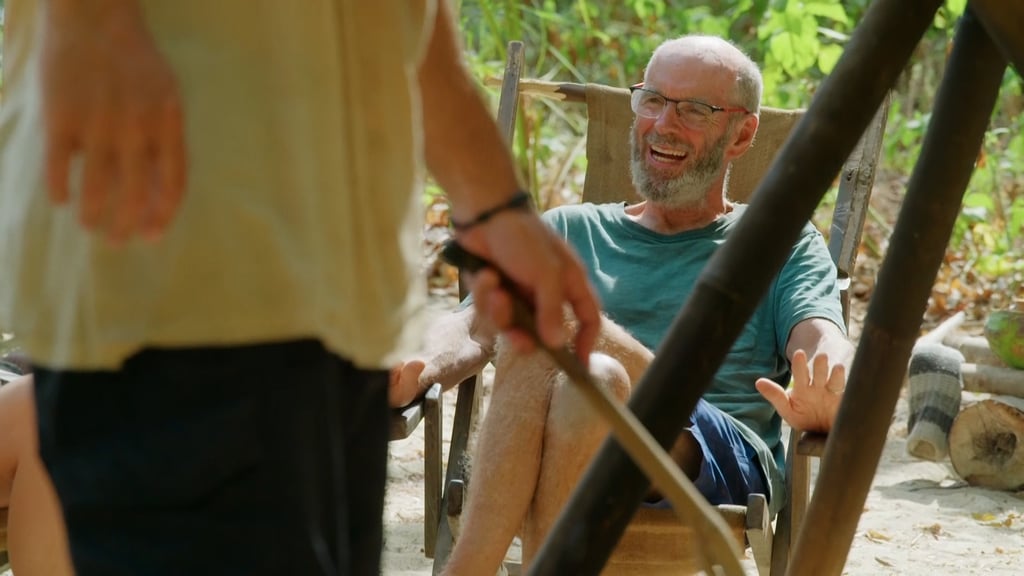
(1016, 224)
(781, 47)
(979, 200)
(956, 7)
(828, 56)
(832, 10)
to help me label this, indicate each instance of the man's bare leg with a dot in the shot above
(573, 434)
(575, 431)
(506, 463)
(37, 541)
(536, 440)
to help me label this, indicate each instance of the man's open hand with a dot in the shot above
(812, 402)
(111, 99)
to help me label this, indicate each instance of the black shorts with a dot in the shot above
(263, 459)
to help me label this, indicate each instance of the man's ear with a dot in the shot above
(742, 137)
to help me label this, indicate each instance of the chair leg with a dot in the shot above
(801, 491)
(784, 521)
(465, 413)
(445, 535)
(759, 532)
(432, 474)
(798, 489)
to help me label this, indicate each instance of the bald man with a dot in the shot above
(695, 112)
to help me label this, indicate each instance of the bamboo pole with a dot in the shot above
(963, 105)
(1005, 24)
(735, 280)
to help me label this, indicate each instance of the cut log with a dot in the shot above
(993, 379)
(974, 348)
(986, 443)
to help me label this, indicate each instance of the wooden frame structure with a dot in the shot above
(990, 33)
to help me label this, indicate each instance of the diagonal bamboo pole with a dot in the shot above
(962, 109)
(735, 280)
(1005, 24)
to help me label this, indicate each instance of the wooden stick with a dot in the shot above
(974, 348)
(992, 379)
(566, 91)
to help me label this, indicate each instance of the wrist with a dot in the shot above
(520, 201)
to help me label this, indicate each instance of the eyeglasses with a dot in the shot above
(694, 114)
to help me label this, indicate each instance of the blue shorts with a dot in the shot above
(730, 469)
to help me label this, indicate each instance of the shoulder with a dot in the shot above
(577, 214)
(808, 234)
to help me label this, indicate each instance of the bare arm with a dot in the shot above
(470, 160)
(458, 346)
(813, 400)
(110, 96)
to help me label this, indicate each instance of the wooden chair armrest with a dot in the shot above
(405, 420)
(811, 444)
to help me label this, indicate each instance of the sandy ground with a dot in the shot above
(919, 518)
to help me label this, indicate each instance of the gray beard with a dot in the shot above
(689, 188)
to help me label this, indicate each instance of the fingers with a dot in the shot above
(59, 148)
(170, 169)
(837, 380)
(801, 373)
(545, 271)
(130, 198)
(820, 370)
(490, 300)
(96, 178)
(394, 375)
(549, 298)
(585, 308)
(114, 104)
(774, 394)
(494, 304)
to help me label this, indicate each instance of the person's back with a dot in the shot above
(294, 119)
(210, 229)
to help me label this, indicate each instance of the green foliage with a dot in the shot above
(797, 43)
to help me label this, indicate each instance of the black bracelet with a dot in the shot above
(519, 201)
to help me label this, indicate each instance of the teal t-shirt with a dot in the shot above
(643, 278)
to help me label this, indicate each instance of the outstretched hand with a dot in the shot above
(811, 403)
(112, 99)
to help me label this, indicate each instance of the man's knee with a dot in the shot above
(569, 405)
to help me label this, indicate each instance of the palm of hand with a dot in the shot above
(811, 403)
